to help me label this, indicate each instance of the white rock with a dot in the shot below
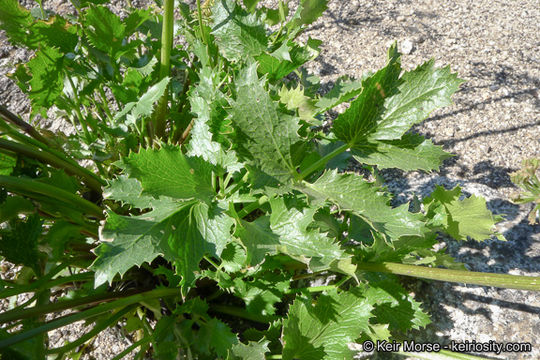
(407, 46)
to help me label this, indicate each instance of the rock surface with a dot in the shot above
(493, 125)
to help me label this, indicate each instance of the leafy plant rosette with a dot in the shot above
(200, 203)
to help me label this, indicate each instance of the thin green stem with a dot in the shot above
(201, 24)
(457, 276)
(253, 206)
(164, 67)
(29, 187)
(98, 310)
(322, 161)
(35, 285)
(77, 107)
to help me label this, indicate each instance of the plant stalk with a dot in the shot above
(322, 161)
(20, 123)
(98, 310)
(52, 160)
(29, 187)
(458, 276)
(164, 67)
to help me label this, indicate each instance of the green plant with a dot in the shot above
(527, 179)
(210, 192)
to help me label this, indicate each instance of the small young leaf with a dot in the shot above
(17, 22)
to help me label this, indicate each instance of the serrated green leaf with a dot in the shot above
(233, 257)
(298, 240)
(395, 306)
(167, 172)
(238, 34)
(411, 152)
(251, 351)
(422, 90)
(145, 106)
(216, 335)
(132, 241)
(207, 103)
(258, 239)
(343, 90)
(56, 32)
(276, 66)
(127, 191)
(268, 135)
(47, 81)
(461, 218)
(324, 330)
(19, 245)
(104, 29)
(16, 21)
(351, 192)
(360, 119)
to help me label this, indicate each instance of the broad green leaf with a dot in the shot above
(19, 245)
(343, 90)
(360, 119)
(16, 21)
(287, 58)
(104, 29)
(350, 192)
(251, 351)
(181, 232)
(131, 241)
(411, 152)
(47, 81)
(422, 90)
(461, 218)
(268, 135)
(324, 330)
(145, 106)
(167, 172)
(238, 34)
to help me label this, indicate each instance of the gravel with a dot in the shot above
(493, 125)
